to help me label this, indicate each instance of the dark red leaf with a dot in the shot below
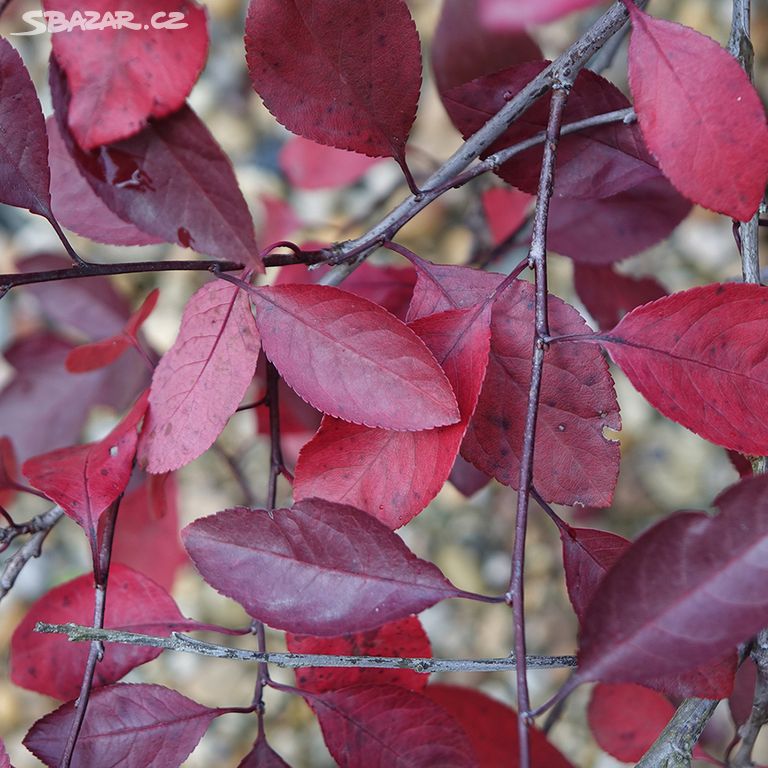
(686, 591)
(24, 176)
(626, 719)
(575, 462)
(262, 756)
(389, 725)
(43, 406)
(329, 345)
(699, 115)
(505, 210)
(522, 13)
(404, 638)
(77, 207)
(608, 295)
(394, 475)
(147, 538)
(467, 478)
(5, 761)
(743, 694)
(133, 726)
(50, 664)
(309, 165)
(466, 47)
(699, 356)
(216, 351)
(741, 463)
(171, 180)
(126, 76)
(356, 91)
(587, 556)
(605, 230)
(86, 479)
(492, 728)
(596, 162)
(99, 354)
(322, 568)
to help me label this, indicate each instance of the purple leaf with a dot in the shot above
(321, 568)
(688, 590)
(133, 726)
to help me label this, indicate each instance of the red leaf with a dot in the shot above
(329, 345)
(699, 114)
(608, 295)
(505, 15)
(133, 726)
(147, 539)
(626, 719)
(699, 356)
(5, 761)
(77, 207)
(604, 231)
(279, 220)
(596, 162)
(465, 46)
(9, 472)
(309, 165)
(262, 756)
(505, 211)
(172, 181)
(322, 568)
(388, 286)
(24, 175)
(588, 555)
(389, 725)
(404, 638)
(216, 351)
(492, 728)
(99, 354)
(394, 475)
(686, 591)
(577, 400)
(362, 96)
(51, 665)
(127, 76)
(86, 479)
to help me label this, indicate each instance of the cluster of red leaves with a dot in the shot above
(419, 373)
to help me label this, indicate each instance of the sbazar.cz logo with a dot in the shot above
(56, 21)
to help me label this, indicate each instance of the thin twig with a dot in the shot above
(102, 559)
(182, 643)
(42, 522)
(14, 565)
(538, 260)
(562, 70)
